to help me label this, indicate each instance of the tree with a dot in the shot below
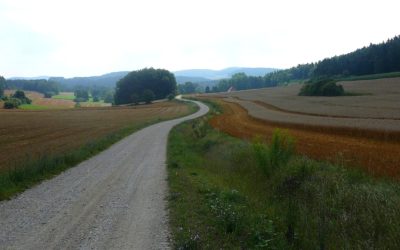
(2, 86)
(135, 99)
(207, 89)
(109, 97)
(148, 96)
(12, 103)
(81, 95)
(161, 82)
(41, 85)
(187, 88)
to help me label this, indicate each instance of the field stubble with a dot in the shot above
(28, 135)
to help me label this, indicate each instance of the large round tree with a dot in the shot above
(134, 85)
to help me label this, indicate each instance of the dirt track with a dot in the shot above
(115, 200)
(354, 147)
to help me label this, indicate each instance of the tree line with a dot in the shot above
(41, 86)
(374, 59)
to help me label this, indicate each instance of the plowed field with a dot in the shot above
(30, 134)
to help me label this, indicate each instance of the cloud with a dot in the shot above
(93, 37)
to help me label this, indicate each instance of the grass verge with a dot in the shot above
(32, 170)
(226, 193)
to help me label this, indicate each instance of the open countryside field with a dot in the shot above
(378, 99)
(28, 135)
(323, 133)
(62, 101)
(39, 101)
(64, 96)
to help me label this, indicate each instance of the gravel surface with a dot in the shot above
(115, 200)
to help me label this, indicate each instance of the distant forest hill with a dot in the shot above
(54, 84)
(107, 80)
(374, 59)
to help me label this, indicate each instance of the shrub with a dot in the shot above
(321, 87)
(281, 148)
(171, 97)
(12, 103)
(20, 95)
(275, 155)
(48, 94)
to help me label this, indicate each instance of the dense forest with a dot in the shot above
(374, 59)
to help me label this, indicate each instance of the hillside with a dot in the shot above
(106, 80)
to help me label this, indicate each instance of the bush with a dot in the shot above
(96, 99)
(171, 97)
(20, 95)
(12, 103)
(48, 94)
(275, 155)
(321, 87)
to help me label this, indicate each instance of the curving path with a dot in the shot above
(115, 200)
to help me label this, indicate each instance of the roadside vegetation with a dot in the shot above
(38, 145)
(228, 193)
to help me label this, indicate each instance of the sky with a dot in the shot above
(84, 37)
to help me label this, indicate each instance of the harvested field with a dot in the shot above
(381, 99)
(377, 156)
(31, 134)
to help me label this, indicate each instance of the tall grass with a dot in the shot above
(277, 153)
(222, 197)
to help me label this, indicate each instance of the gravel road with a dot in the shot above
(115, 200)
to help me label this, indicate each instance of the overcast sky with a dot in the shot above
(83, 38)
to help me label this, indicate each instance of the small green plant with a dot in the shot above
(281, 148)
(275, 155)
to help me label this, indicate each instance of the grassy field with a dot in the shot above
(31, 140)
(41, 103)
(33, 107)
(64, 96)
(226, 193)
